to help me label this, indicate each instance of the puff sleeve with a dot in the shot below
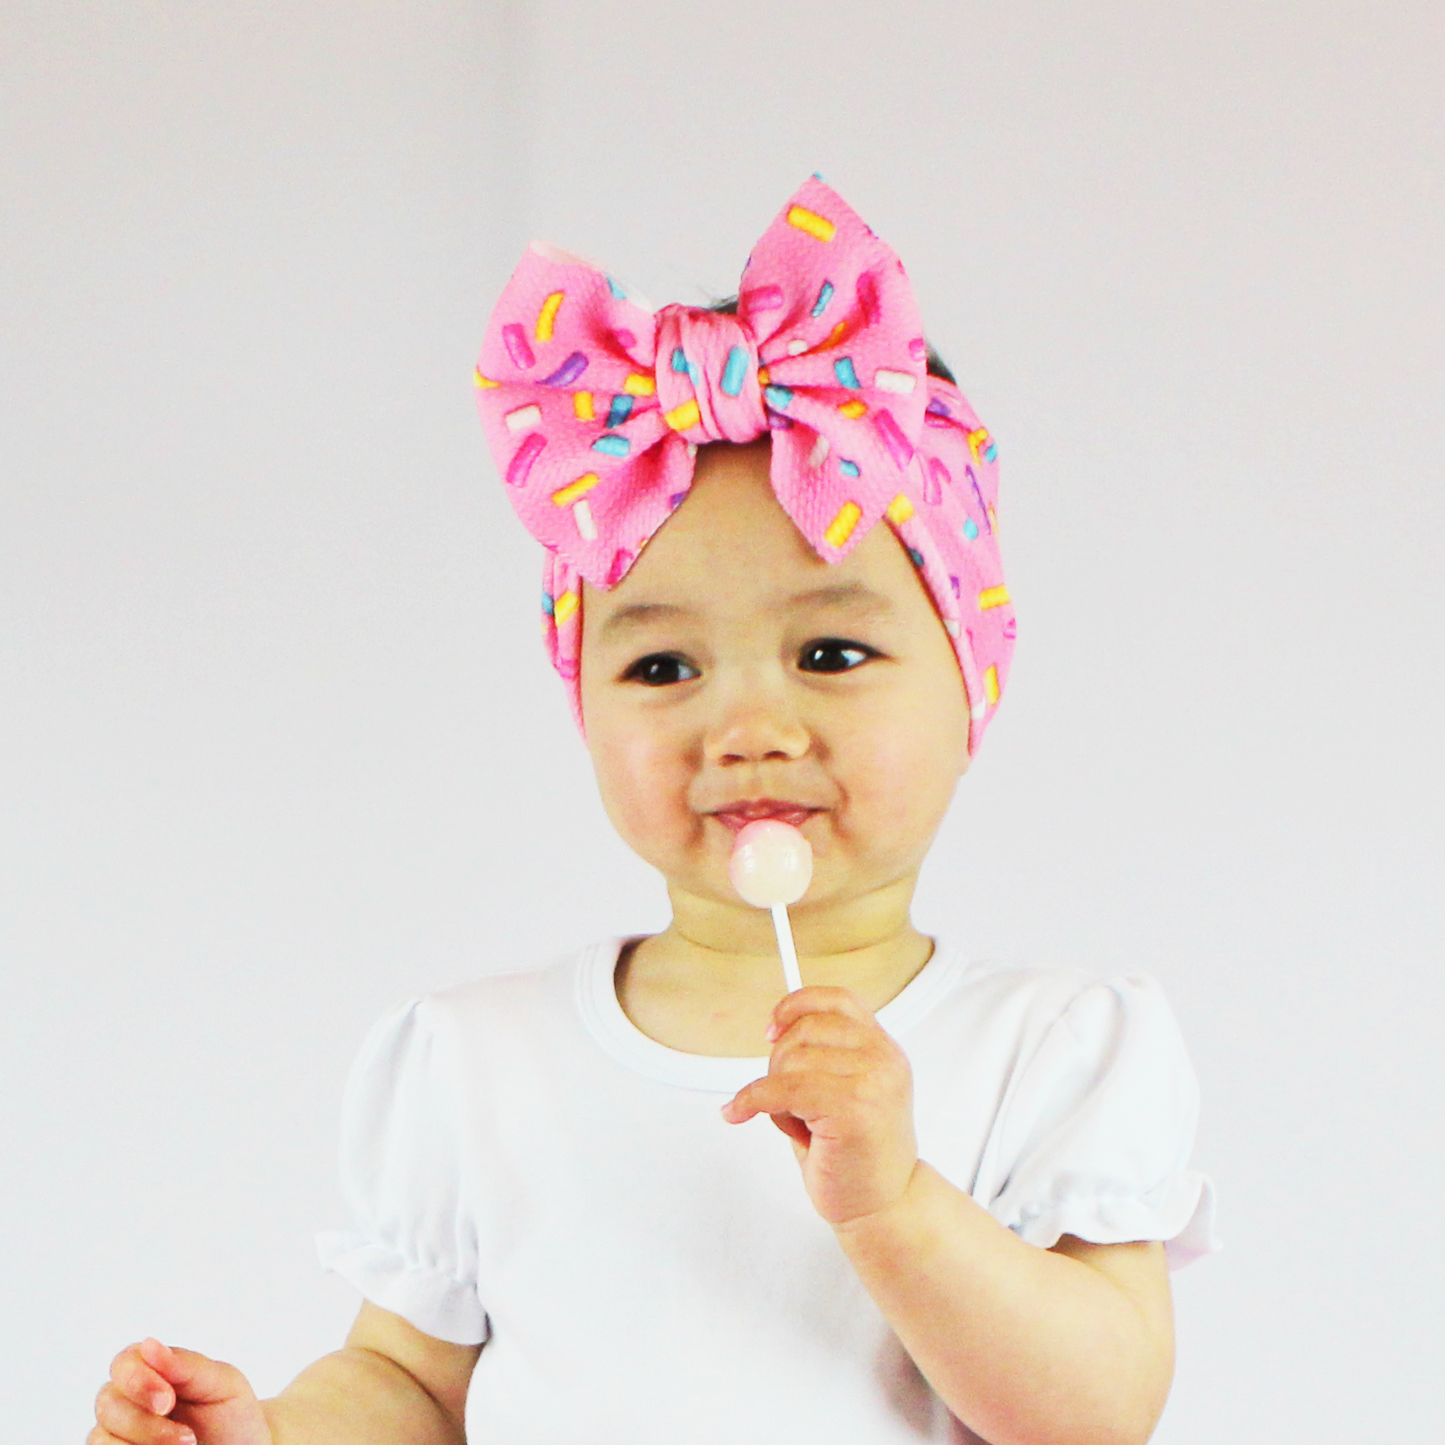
(413, 1249)
(1095, 1137)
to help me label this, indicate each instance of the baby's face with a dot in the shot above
(732, 667)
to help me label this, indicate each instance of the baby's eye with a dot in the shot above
(659, 669)
(833, 654)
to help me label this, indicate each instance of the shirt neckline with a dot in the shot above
(620, 1038)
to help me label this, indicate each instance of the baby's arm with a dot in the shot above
(389, 1382)
(1026, 1346)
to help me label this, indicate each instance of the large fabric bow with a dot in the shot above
(594, 407)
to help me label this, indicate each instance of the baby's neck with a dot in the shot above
(703, 999)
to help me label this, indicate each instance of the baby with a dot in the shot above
(571, 1225)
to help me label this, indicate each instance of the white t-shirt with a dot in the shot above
(526, 1168)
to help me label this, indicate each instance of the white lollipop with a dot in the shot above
(771, 867)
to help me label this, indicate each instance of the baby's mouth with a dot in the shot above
(738, 815)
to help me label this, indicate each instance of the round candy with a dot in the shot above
(772, 863)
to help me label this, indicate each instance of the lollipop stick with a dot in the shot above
(789, 954)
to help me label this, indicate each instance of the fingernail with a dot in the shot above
(187, 1438)
(771, 1033)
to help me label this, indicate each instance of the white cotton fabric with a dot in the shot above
(525, 1168)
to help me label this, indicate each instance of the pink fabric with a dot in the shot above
(594, 408)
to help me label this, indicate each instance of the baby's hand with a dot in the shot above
(161, 1396)
(842, 1091)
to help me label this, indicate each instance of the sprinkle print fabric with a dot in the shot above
(594, 408)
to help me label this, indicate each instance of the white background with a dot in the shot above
(278, 742)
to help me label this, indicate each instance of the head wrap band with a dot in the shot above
(594, 407)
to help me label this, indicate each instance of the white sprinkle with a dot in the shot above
(820, 450)
(951, 628)
(582, 515)
(901, 382)
(524, 418)
(981, 711)
(797, 346)
(692, 449)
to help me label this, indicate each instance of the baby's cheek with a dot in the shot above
(644, 791)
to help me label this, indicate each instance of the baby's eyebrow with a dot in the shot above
(636, 613)
(851, 595)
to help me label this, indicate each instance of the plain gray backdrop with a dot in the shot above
(279, 745)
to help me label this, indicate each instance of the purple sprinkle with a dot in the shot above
(777, 421)
(524, 457)
(938, 407)
(935, 479)
(763, 298)
(517, 348)
(956, 585)
(568, 372)
(899, 447)
(625, 339)
(868, 296)
(675, 500)
(982, 505)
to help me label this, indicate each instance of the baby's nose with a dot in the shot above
(756, 730)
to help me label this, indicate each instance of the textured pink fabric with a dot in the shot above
(594, 408)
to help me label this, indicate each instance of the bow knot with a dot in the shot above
(707, 375)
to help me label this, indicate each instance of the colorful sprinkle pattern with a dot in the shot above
(594, 408)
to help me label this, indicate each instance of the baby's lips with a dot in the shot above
(738, 818)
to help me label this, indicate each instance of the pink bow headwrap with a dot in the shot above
(594, 408)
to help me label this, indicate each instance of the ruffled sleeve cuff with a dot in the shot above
(447, 1309)
(1180, 1212)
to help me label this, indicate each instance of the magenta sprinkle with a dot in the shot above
(935, 479)
(625, 339)
(868, 296)
(621, 561)
(899, 447)
(524, 457)
(918, 349)
(517, 348)
(761, 298)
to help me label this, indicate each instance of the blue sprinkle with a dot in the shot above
(777, 396)
(917, 557)
(849, 469)
(824, 297)
(613, 445)
(616, 290)
(818, 176)
(990, 453)
(679, 359)
(619, 411)
(843, 370)
(568, 372)
(735, 372)
(548, 606)
(970, 529)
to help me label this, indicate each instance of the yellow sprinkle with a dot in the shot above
(582, 405)
(548, 314)
(990, 685)
(684, 416)
(480, 380)
(852, 409)
(569, 494)
(841, 527)
(993, 521)
(976, 439)
(639, 385)
(765, 377)
(992, 597)
(835, 335)
(564, 607)
(811, 222)
(900, 509)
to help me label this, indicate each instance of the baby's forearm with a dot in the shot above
(358, 1397)
(1025, 1346)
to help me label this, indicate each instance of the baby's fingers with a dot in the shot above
(138, 1380)
(119, 1418)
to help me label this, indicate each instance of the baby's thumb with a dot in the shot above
(196, 1379)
